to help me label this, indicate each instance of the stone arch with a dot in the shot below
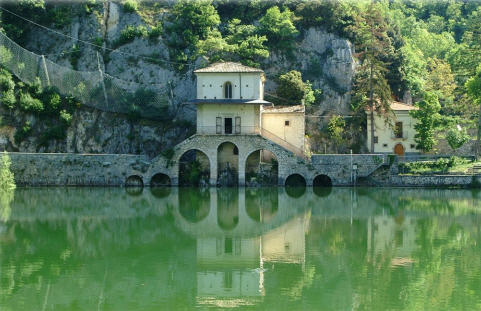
(160, 180)
(295, 185)
(194, 204)
(322, 180)
(134, 181)
(261, 168)
(194, 168)
(262, 204)
(227, 164)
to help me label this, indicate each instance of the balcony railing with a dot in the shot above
(236, 130)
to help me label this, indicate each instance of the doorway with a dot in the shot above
(228, 125)
(399, 149)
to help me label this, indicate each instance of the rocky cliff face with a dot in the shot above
(323, 58)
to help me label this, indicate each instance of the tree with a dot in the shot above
(7, 181)
(336, 128)
(457, 137)
(248, 45)
(279, 27)
(473, 87)
(292, 88)
(371, 87)
(428, 118)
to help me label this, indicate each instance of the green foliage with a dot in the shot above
(336, 128)
(29, 104)
(457, 137)
(292, 88)
(279, 27)
(129, 33)
(7, 180)
(473, 87)
(6, 80)
(130, 6)
(155, 31)
(51, 100)
(442, 165)
(7, 98)
(191, 22)
(427, 117)
(23, 132)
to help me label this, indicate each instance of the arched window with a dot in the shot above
(227, 90)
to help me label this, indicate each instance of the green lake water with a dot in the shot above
(243, 249)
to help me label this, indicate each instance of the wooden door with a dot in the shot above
(399, 149)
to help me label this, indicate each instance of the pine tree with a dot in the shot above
(371, 87)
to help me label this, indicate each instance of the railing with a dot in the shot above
(215, 130)
(283, 143)
(427, 157)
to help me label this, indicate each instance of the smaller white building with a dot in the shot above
(398, 137)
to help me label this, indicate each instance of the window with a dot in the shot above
(384, 145)
(218, 125)
(237, 125)
(413, 146)
(398, 130)
(227, 90)
(228, 245)
(376, 139)
(287, 123)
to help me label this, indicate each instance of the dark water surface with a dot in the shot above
(261, 249)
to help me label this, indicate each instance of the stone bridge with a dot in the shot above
(116, 169)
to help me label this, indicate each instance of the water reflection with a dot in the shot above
(247, 248)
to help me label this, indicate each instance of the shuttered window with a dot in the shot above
(218, 125)
(237, 125)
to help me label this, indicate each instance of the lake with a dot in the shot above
(245, 249)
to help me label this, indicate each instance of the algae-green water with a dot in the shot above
(241, 249)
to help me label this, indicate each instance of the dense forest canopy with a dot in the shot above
(414, 50)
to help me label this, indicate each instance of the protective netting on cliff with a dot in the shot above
(92, 88)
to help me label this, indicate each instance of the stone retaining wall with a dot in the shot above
(434, 181)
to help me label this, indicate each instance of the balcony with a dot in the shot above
(235, 130)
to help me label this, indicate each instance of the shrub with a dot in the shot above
(30, 104)
(129, 33)
(65, 117)
(51, 99)
(156, 31)
(130, 6)
(6, 81)
(23, 132)
(457, 137)
(8, 99)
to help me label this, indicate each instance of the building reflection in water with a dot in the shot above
(244, 233)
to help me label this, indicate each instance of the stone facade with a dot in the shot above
(48, 169)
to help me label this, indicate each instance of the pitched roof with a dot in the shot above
(398, 106)
(284, 109)
(228, 67)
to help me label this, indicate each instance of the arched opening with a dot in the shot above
(160, 180)
(295, 185)
(227, 90)
(262, 168)
(194, 169)
(322, 181)
(134, 181)
(228, 208)
(227, 164)
(262, 204)
(399, 149)
(322, 185)
(194, 204)
(134, 185)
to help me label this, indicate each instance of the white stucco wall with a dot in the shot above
(207, 114)
(293, 134)
(245, 85)
(385, 134)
